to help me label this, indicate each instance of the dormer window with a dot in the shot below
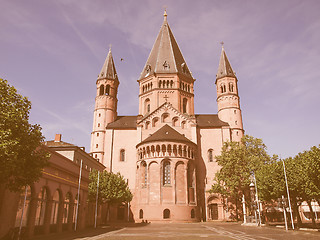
(166, 65)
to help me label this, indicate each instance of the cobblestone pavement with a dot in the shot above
(192, 231)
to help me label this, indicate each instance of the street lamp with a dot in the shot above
(285, 177)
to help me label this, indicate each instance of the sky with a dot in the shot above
(52, 52)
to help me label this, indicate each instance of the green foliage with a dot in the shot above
(112, 188)
(238, 162)
(21, 159)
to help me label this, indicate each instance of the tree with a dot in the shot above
(238, 161)
(113, 188)
(21, 158)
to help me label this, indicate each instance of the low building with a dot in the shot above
(51, 202)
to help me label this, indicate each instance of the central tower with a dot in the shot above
(166, 76)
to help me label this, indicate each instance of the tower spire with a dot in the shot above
(224, 69)
(108, 69)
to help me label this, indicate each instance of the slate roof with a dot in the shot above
(165, 56)
(166, 133)
(224, 69)
(123, 122)
(203, 121)
(108, 69)
(209, 121)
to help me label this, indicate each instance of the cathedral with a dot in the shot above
(166, 152)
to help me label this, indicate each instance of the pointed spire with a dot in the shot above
(165, 56)
(165, 15)
(108, 69)
(224, 69)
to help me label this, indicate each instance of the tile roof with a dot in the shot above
(123, 122)
(165, 56)
(209, 121)
(166, 133)
(53, 143)
(224, 69)
(108, 69)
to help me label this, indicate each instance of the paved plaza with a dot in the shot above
(186, 231)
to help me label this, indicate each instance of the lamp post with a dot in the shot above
(285, 177)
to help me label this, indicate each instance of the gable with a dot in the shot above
(166, 114)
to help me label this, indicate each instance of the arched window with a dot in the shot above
(122, 155)
(160, 83)
(221, 89)
(55, 207)
(230, 87)
(185, 103)
(175, 121)
(108, 89)
(224, 88)
(183, 123)
(166, 213)
(101, 90)
(41, 207)
(141, 214)
(171, 84)
(166, 173)
(165, 117)
(148, 125)
(168, 83)
(23, 212)
(147, 106)
(210, 155)
(155, 122)
(144, 174)
(66, 208)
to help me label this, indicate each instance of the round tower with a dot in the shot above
(105, 110)
(228, 98)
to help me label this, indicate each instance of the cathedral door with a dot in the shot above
(213, 211)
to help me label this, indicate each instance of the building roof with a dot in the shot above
(166, 133)
(209, 121)
(108, 69)
(165, 56)
(123, 122)
(53, 143)
(224, 69)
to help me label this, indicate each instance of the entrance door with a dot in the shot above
(213, 211)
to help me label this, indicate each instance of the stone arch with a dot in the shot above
(155, 122)
(140, 214)
(147, 106)
(166, 213)
(154, 183)
(180, 182)
(42, 206)
(107, 89)
(165, 117)
(22, 214)
(175, 121)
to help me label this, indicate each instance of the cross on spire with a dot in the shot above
(222, 43)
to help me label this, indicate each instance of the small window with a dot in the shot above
(166, 213)
(101, 90)
(210, 155)
(235, 111)
(236, 122)
(141, 214)
(185, 103)
(99, 115)
(122, 155)
(230, 87)
(193, 215)
(95, 156)
(98, 124)
(97, 145)
(97, 134)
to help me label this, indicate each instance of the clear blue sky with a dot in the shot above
(52, 52)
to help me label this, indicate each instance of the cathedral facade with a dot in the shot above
(166, 152)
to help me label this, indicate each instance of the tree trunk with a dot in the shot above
(237, 213)
(296, 212)
(312, 214)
